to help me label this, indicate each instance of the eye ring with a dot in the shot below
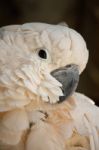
(42, 53)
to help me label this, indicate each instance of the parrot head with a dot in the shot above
(46, 60)
(60, 56)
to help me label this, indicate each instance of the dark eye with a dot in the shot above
(42, 53)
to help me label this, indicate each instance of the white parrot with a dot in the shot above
(40, 66)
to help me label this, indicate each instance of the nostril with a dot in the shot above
(69, 66)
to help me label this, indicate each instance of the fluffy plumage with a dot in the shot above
(28, 118)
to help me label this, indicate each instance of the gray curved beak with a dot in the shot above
(68, 76)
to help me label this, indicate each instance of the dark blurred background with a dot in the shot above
(82, 15)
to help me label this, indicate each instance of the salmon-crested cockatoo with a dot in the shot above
(40, 66)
